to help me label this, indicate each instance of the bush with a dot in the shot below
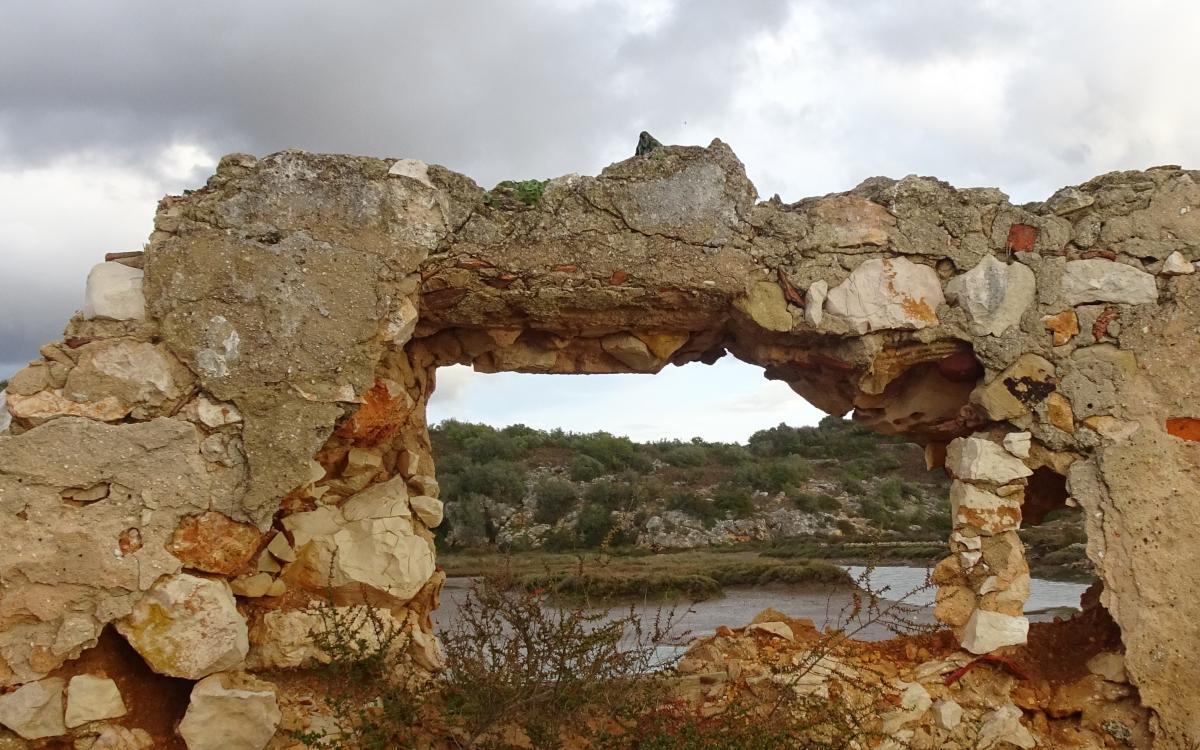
(585, 469)
(611, 495)
(685, 455)
(555, 499)
(594, 526)
(732, 500)
(502, 481)
(700, 508)
(468, 521)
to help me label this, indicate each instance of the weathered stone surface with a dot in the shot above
(1018, 443)
(631, 351)
(214, 543)
(428, 509)
(368, 546)
(887, 293)
(947, 713)
(111, 737)
(114, 291)
(230, 711)
(1002, 727)
(1109, 665)
(986, 511)
(814, 302)
(994, 294)
(1177, 265)
(188, 627)
(66, 571)
(764, 303)
(34, 710)
(978, 460)
(92, 698)
(216, 413)
(1064, 326)
(987, 631)
(1017, 389)
(1097, 280)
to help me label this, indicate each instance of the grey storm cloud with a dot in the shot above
(478, 86)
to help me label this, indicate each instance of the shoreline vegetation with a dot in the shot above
(630, 573)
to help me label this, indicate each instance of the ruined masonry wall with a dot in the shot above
(233, 426)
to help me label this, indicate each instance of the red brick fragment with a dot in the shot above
(1100, 327)
(565, 268)
(1184, 427)
(618, 278)
(1021, 238)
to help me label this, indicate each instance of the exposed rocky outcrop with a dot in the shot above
(246, 400)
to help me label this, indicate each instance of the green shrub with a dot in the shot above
(555, 499)
(700, 508)
(585, 469)
(594, 525)
(611, 495)
(733, 500)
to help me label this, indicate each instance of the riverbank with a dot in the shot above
(695, 575)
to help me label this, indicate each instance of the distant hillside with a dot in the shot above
(522, 488)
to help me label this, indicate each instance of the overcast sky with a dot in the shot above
(105, 107)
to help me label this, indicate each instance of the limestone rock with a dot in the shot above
(5, 416)
(1109, 665)
(947, 714)
(987, 631)
(986, 511)
(630, 351)
(1097, 280)
(994, 294)
(112, 737)
(92, 698)
(369, 545)
(187, 627)
(230, 711)
(34, 710)
(914, 702)
(1177, 265)
(1003, 725)
(814, 303)
(1018, 443)
(978, 460)
(413, 169)
(1017, 389)
(46, 405)
(146, 378)
(887, 293)
(777, 629)
(766, 306)
(428, 509)
(252, 586)
(114, 291)
(216, 413)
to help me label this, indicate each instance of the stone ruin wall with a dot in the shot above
(234, 424)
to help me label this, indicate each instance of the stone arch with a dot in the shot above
(251, 389)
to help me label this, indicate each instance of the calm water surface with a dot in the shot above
(901, 586)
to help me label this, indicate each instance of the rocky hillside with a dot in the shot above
(523, 488)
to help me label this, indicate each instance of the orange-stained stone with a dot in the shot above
(214, 543)
(1059, 412)
(1064, 326)
(1184, 427)
(382, 413)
